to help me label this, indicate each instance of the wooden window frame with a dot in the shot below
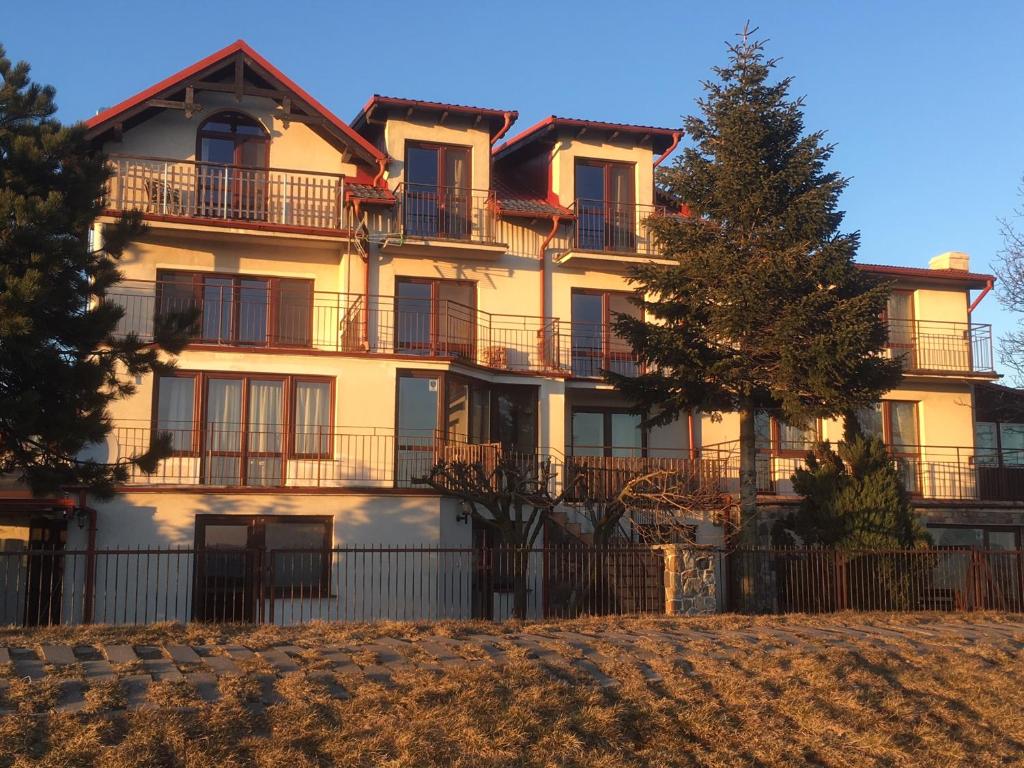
(433, 344)
(605, 166)
(776, 440)
(909, 350)
(606, 412)
(608, 356)
(273, 283)
(442, 148)
(202, 378)
(203, 133)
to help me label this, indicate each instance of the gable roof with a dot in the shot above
(239, 49)
(661, 138)
(498, 120)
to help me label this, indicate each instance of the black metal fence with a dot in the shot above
(138, 586)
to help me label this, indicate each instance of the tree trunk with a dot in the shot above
(748, 478)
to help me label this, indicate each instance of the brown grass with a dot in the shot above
(824, 705)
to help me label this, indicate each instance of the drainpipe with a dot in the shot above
(692, 431)
(90, 557)
(382, 164)
(542, 255)
(366, 282)
(509, 117)
(676, 138)
(982, 295)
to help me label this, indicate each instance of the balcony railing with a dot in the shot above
(215, 191)
(431, 212)
(954, 473)
(587, 349)
(610, 227)
(932, 345)
(249, 317)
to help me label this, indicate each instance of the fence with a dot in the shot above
(292, 586)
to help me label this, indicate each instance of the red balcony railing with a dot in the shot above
(612, 227)
(431, 212)
(931, 345)
(217, 191)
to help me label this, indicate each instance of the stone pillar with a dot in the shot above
(691, 587)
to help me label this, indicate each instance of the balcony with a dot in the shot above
(585, 350)
(453, 217)
(932, 346)
(218, 194)
(608, 233)
(255, 315)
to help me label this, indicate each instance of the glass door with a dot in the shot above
(233, 151)
(437, 194)
(605, 206)
(416, 436)
(902, 328)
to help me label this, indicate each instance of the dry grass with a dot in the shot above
(827, 705)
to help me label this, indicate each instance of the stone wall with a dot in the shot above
(691, 579)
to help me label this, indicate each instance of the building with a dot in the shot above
(414, 284)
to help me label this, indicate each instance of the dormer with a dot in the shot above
(602, 172)
(231, 141)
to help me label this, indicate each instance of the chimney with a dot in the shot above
(951, 260)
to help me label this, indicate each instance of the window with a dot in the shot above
(437, 191)
(899, 316)
(233, 151)
(607, 432)
(774, 435)
(605, 206)
(239, 309)
(595, 345)
(435, 317)
(245, 423)
(895, 422)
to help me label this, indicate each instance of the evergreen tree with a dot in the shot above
(764, 308)
(854, 497)
(60, 364)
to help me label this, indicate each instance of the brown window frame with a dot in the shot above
(608, 355)
(199, 412)
(607, 412)
(776, 440)
(434, 343)
(442, 149)
(273, 282)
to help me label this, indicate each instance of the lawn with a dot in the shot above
(847, 704)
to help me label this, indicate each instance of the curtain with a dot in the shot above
(312, 417)
(265, 417)
(175, 410)
(224, 414)
(870, 420)
(797, 438)
(903, 417)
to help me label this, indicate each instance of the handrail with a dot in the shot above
(193, 161)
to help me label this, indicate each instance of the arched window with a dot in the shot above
(233, 151)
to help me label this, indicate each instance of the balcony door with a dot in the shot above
(595, 345)
(233, 150)
(437, 191)
(435, 317)
(605, 206)
(244, 431)
(902, 329)
(895, 421)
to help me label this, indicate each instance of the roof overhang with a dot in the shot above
(552, 128)
(380, 108)
(240, 70)
(941, 277)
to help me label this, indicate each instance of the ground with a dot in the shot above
(846, 690)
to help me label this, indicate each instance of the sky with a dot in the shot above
(922, 99)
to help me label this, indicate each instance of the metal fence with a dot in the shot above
(293, 586)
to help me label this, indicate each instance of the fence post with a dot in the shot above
(691, 580)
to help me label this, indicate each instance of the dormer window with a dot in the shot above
(606, 205)
(438, 194)
(233, 151)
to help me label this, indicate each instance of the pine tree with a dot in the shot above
(854, 497)
(764, 308)
(60, 365)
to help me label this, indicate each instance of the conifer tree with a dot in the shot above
(764, 307)
(60, 362)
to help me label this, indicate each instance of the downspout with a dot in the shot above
(556, 219)
(677, 136)
(90, 558)
(692, 436)
(509, 117)
(382, 164)
(982, 295)
(365, 255)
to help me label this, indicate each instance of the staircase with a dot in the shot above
(570, 528)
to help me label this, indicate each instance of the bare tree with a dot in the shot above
(665, 504)
(1010, 271)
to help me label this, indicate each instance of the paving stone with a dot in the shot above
(182, 654)
(279, 660)
(23, 654)
(328, 679)
(30, 668)
(149, 652)
(5, 655)
(221, 665)
(162, 669)
(136, 690)
(87, 653)
(120, 654)
(377, 673)
(268, 689)
(97, 669)
(70, 696)
(595, 672)
(205, 685)
(534, 648)
(238, 652)
(58, 655)
(340, 661)
(490, 646)
(404, 648)
(443, 653)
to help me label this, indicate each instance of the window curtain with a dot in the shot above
(312, 417)
(903, 417)
(224, 414)
(175, 410)
(870, 420)
(265, 416)
(797, 438)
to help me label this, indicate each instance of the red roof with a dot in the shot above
(107, 116)
(663, 137)
(496, 116)
(970, 279)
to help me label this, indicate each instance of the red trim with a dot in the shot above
(554, 121)
(241, 224)
(972, 279)
(239, 46)
(508, 117)
(676, 138)
(982, 295)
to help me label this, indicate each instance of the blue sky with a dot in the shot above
(923, 99)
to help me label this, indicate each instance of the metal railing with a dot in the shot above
(931, 345)
(956, 473)
(588, 349)
(350, 583)
(207, 190)
(819, 580)
(429, 212)
(611, 227)
(338, 322)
